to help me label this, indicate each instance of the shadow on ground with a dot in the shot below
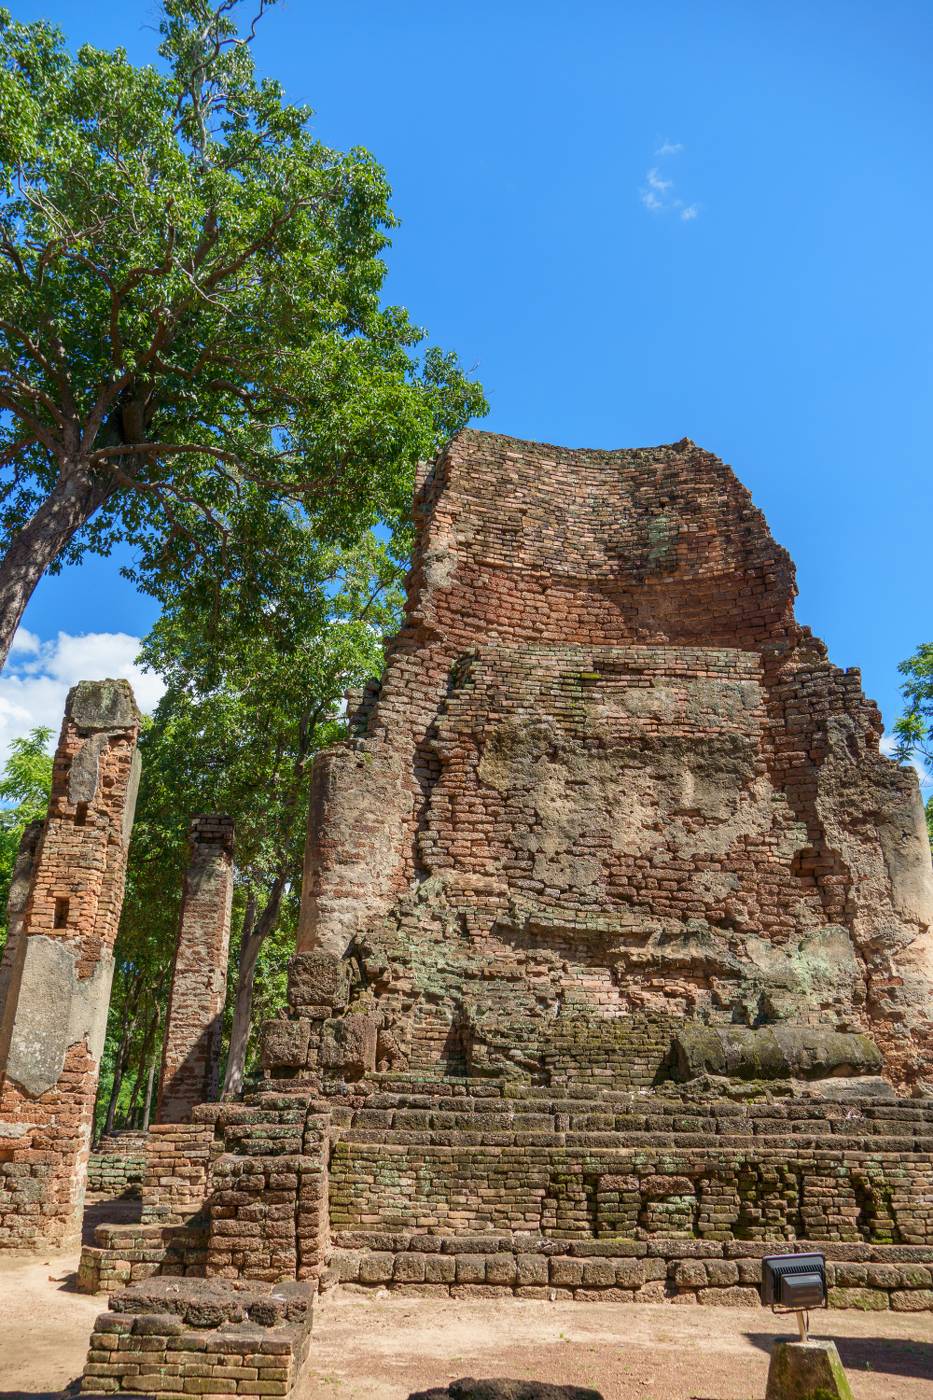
(71, 1392)
(123, 1210)
(893, 1356)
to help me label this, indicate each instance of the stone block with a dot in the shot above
(734, 1297)
(348, 1046)
(532, 1270)
(690, 1273)
(912, 1300)
(409, 1268)
(471, 1268)
(864, 1299)
(566, 1273)
(440, 1268)
(376, 1267)
(318, 979)
(285, 1044)
(781, 1051)
(806, 1371)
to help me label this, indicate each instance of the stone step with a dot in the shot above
(875, 1277)
(881, 1112)
(461, 1137)
(432, 1087)
(429, 1118)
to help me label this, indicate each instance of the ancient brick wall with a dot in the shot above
(55, 1015)
(828, 1193)
(178, 1160)
(607, 775)
(191, 1047)
(117, 1166)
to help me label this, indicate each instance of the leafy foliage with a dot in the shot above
(914, 729)
(254, 689)
(191, 329)
(24, 792)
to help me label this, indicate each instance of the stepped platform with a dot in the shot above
(439, 1185)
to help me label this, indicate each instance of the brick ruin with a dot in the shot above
(193, 1025)
(614, 961)
(610, 790)
(66, 900)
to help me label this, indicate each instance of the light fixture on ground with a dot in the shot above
(805, 1369)
(794, 1283)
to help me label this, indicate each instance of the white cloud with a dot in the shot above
(39, 674)
(887, 745)
(656, 194)
(24, 640)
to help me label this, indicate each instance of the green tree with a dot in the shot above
(191, 329)
(25, 786)
(144, 947)
(914, 729)
(254, 688)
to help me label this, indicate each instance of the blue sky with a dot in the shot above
(763, 288)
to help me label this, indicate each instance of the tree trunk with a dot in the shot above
(71, 503)
(131, 1107)
(143, 1075)
(255, 933)
(123, 1050)
(147, 1106)
(118, 1069)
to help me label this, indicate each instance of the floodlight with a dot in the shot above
(794, 1283)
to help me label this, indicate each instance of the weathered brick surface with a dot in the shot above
(123, 1254)
(177, 1169)
(659, 1270)
(117, 1166)
(175, 1338)
(55, 1011)
(191, 1047)
(609, 784)
(611, 836)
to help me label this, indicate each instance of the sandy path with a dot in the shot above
(382, 1348)
(366, 1348)
(44, 1326)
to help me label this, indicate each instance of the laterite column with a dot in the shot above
(191, 1054)
(58, 987)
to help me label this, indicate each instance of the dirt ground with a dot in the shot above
(382, 1348)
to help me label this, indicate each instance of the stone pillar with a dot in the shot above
(191, 1051)
(809, 1370)
(55, 1010)
(17, 899)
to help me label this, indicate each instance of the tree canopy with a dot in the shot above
(191, 324)
(254, 689)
